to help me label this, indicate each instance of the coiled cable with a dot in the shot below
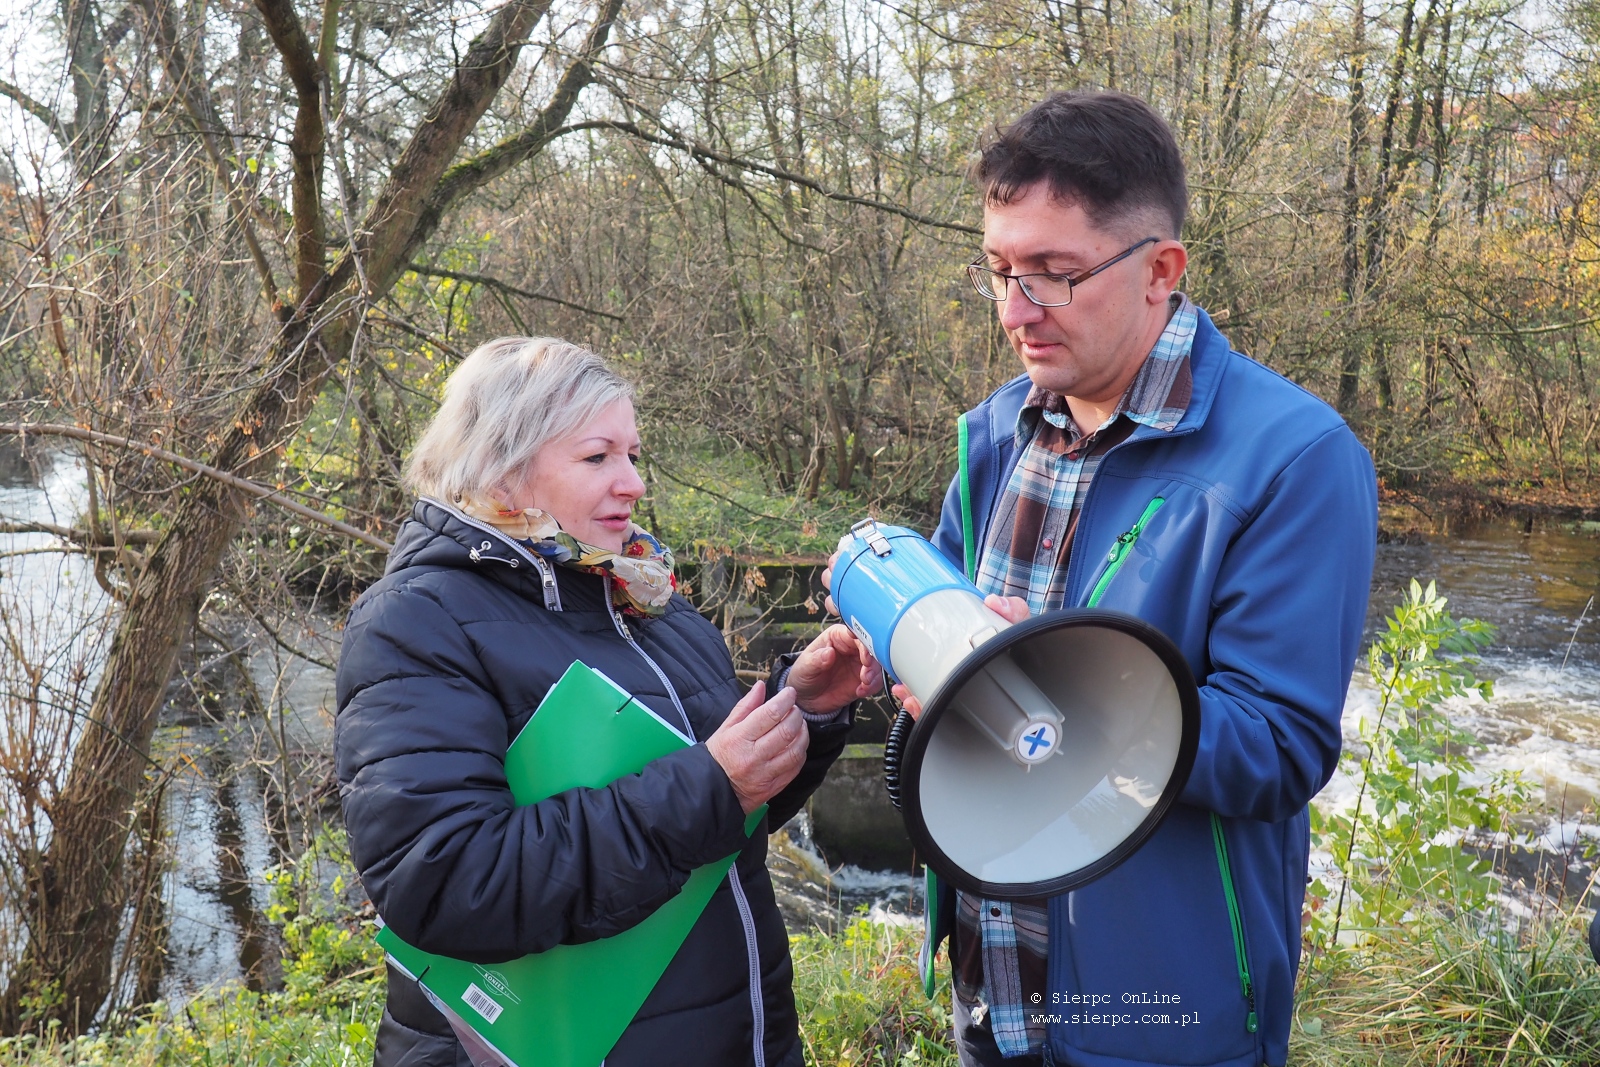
(893, 746)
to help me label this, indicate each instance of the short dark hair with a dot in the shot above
(1110, 153)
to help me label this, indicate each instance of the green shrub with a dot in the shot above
(326, 1014)
(1397, 849)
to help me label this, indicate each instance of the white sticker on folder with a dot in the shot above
(481, 1002)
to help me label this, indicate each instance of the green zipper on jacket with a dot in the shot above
(1114, 561)
(1119, 551)
(1245, 984)
(969, 551)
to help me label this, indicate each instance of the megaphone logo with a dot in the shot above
(1046, 752)
(1032, 748)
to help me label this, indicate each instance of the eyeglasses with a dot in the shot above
(1046, 290)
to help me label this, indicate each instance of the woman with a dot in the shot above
(520, 557)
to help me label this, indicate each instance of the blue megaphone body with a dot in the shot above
(1048, 750)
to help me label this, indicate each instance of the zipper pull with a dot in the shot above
(616, 617)
(1250, 1022)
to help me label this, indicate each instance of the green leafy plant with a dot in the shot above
(325, 947)
(861, 1001)
(1398, 847)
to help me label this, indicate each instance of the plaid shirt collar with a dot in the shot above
(1157, 397)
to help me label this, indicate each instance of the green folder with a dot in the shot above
(567, 1007)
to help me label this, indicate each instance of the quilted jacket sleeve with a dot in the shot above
(450, 863)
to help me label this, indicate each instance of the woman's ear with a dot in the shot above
(517, 497)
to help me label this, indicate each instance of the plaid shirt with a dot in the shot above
(1001, 948)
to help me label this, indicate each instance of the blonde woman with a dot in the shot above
(520, 557)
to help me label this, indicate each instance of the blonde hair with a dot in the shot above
(509, 398)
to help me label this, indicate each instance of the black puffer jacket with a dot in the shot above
(444, 660)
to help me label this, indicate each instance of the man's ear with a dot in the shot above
(1166, 270)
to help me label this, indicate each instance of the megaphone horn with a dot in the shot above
(1046, 751)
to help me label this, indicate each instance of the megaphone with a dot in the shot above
(1047, 751)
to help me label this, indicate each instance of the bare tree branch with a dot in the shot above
(119, 27)
(264, 492)
(505, 287)
(401, 217)
(483, 168)
(81, 535)
(197, 101)
(703, 151)
(420, 334)
(306, 144)
(61, 129)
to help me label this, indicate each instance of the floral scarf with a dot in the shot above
(641, 574)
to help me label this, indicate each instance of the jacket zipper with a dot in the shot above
(1119, 551)
(746, 919)
(627, 635)
(1245, 985)
(758, 1010)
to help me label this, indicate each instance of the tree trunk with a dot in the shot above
(77, 903)
(1350, 365)
(65, 971)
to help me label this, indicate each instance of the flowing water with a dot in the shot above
(1534, 582)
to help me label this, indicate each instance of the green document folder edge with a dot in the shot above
(568, 1006)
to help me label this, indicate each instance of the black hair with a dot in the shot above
(1110, 153)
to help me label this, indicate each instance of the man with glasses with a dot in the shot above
(1246, 515)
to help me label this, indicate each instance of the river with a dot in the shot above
(1533, 581)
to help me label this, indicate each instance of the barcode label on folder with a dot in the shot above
(481, 1002)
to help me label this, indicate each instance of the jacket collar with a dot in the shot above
(437, 535)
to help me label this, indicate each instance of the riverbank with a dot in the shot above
(1439, 992)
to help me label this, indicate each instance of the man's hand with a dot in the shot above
(761, 746)
(1013, 609)
(834, 670)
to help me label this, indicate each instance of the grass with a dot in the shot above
(1449, 992)
(230, 1026)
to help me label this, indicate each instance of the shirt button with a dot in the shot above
(1048, 543)
(995, 912)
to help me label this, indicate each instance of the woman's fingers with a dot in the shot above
(763, 750)
(747, 703)
(827, 572)
(827, 584)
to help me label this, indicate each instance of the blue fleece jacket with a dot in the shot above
(1257, 565)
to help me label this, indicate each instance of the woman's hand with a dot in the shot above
(761, 746)
(834, 669)
(1013, 609)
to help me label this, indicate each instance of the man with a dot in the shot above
(1248, 512)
